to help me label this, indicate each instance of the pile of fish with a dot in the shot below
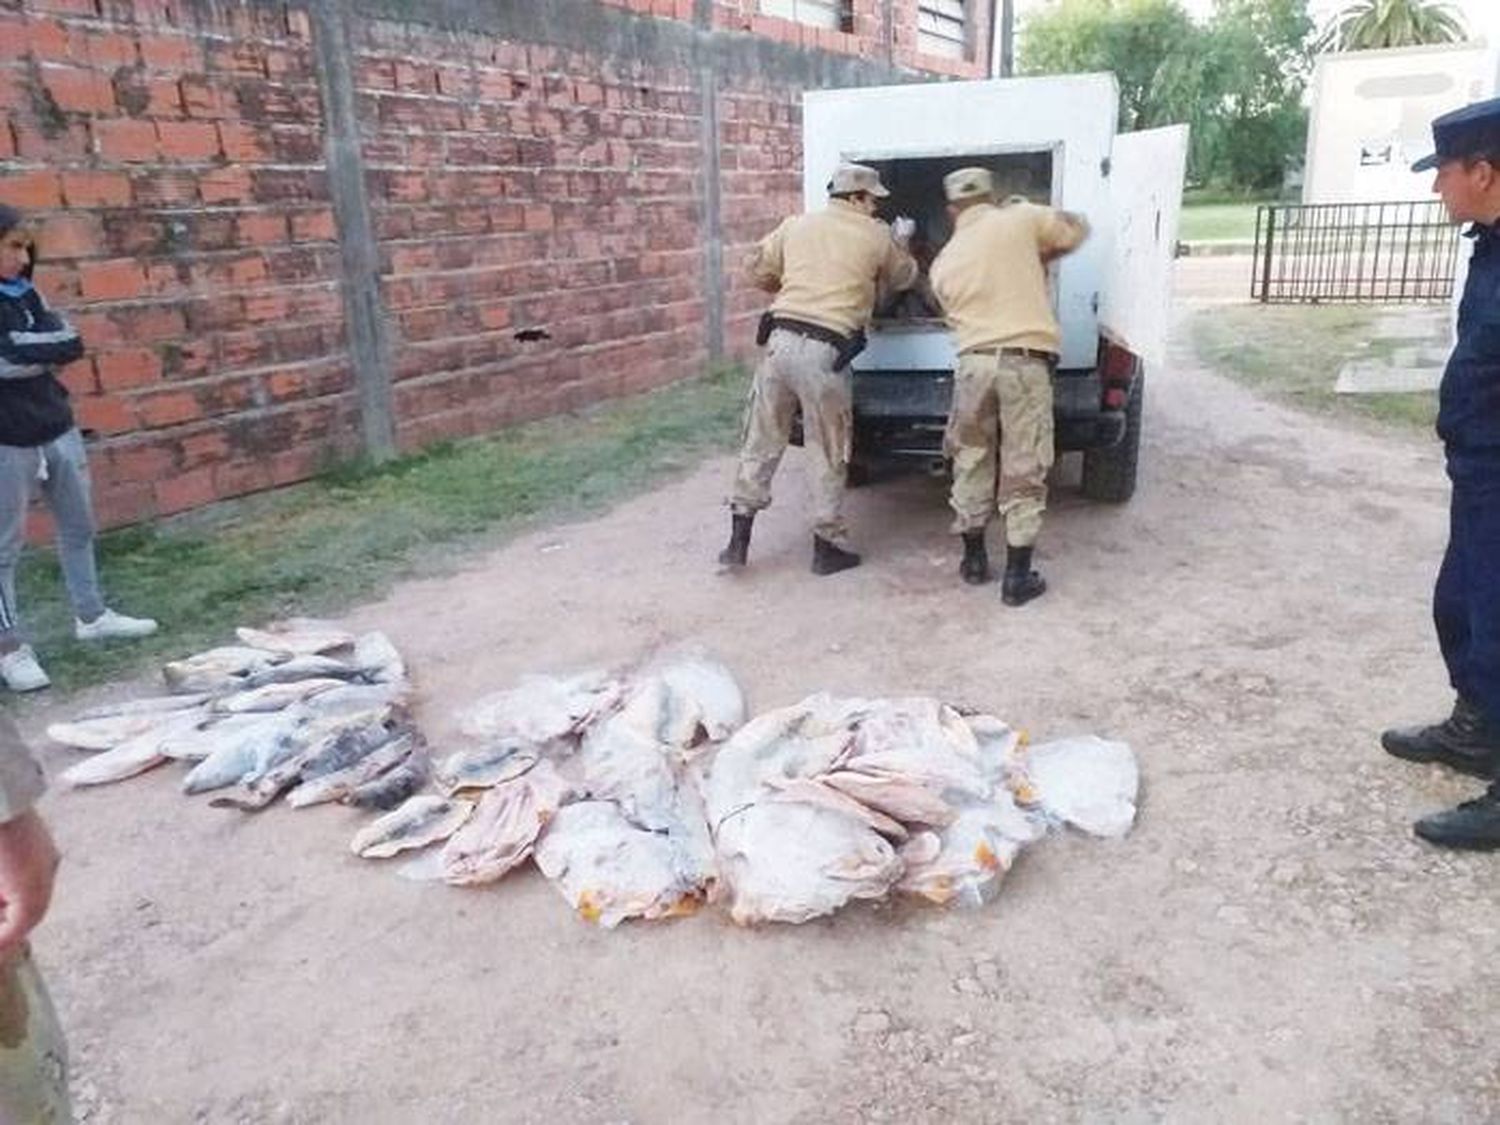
(642, 793)
(301, 708)
(648, 794)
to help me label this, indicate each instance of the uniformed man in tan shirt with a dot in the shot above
(991, 279)
(33, 1057)
(826, 269)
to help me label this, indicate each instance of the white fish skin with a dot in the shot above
(896, 796)
(196, 742)
(133, 756)
(480, 768)
(609, 869)
(218, 668)
(378, 659)
(156, 704)
(335, 786)
(708, 689)
(319, 752)
(298, 636)
(106, 733)
(352, 699)
(804, 740)
(392, 787)
(247, 754)
(343, 740)
(303, 668)
(544, 709)
(274, 697)
(422, 820)
(504, 828)
(659, 715)
(789, 862)
(620, 762)
(815, 791)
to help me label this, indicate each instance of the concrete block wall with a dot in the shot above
(295, 231)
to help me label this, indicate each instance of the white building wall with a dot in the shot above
(1372, 113)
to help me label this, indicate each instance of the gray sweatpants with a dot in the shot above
(65, 487)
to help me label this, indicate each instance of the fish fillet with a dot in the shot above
(422, 820)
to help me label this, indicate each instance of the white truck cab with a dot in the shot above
(1053, 141)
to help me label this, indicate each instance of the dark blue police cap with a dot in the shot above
(1473, 130)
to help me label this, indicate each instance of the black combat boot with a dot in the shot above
(1463, 741)
(1020, 583)
(738, 550)
(1473, 826)
(975, 567)
(829, 558)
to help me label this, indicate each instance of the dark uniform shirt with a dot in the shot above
(1469, 398)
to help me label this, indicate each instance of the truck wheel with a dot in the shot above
(1109, 474)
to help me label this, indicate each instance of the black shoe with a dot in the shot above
(975, 567)
(738, 550)
(1020, 583)
(1463, 741)
(1473, 826)
(828, 558)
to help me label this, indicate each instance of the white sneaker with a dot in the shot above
(110, 625)
(21, 672)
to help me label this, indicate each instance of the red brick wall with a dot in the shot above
(175, 163)
(528, 189)
(760, 132)
(173, 152)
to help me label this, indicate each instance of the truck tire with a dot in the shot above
(1109, 474)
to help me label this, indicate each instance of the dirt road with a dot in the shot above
(1269, 944)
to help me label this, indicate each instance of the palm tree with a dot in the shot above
(1367, 25)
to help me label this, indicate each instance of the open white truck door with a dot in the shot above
(1146, 174)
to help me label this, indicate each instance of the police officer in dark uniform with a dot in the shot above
(1466, 604)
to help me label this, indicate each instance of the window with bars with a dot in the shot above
(943, 28)
(836, 15)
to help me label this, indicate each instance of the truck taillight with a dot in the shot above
(1117, 368)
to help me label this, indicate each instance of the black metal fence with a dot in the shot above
(1382, 253)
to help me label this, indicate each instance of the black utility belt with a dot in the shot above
(1049, 358)
(846, 347)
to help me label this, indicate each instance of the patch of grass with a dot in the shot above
(1212, 193)
(1293, 354)
(321, 546)
(1218, 222)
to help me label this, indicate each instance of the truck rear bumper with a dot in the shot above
(902, 414)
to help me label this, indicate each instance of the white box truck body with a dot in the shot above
(1052, 140)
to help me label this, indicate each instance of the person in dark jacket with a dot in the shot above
(1466, 604)
(41, 448)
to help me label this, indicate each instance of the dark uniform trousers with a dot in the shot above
(1466, 603)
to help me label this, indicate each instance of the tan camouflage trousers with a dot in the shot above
(1001, 420)
(33, 1056)
(797, 370)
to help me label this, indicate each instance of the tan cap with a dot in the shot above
(849, 178)
(967, 183)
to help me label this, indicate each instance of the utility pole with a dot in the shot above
(1007, 38)
(1002, 38)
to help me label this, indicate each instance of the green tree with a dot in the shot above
(1251, 119)
(1152, 46)
(1367, 25)
(1237, 80)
